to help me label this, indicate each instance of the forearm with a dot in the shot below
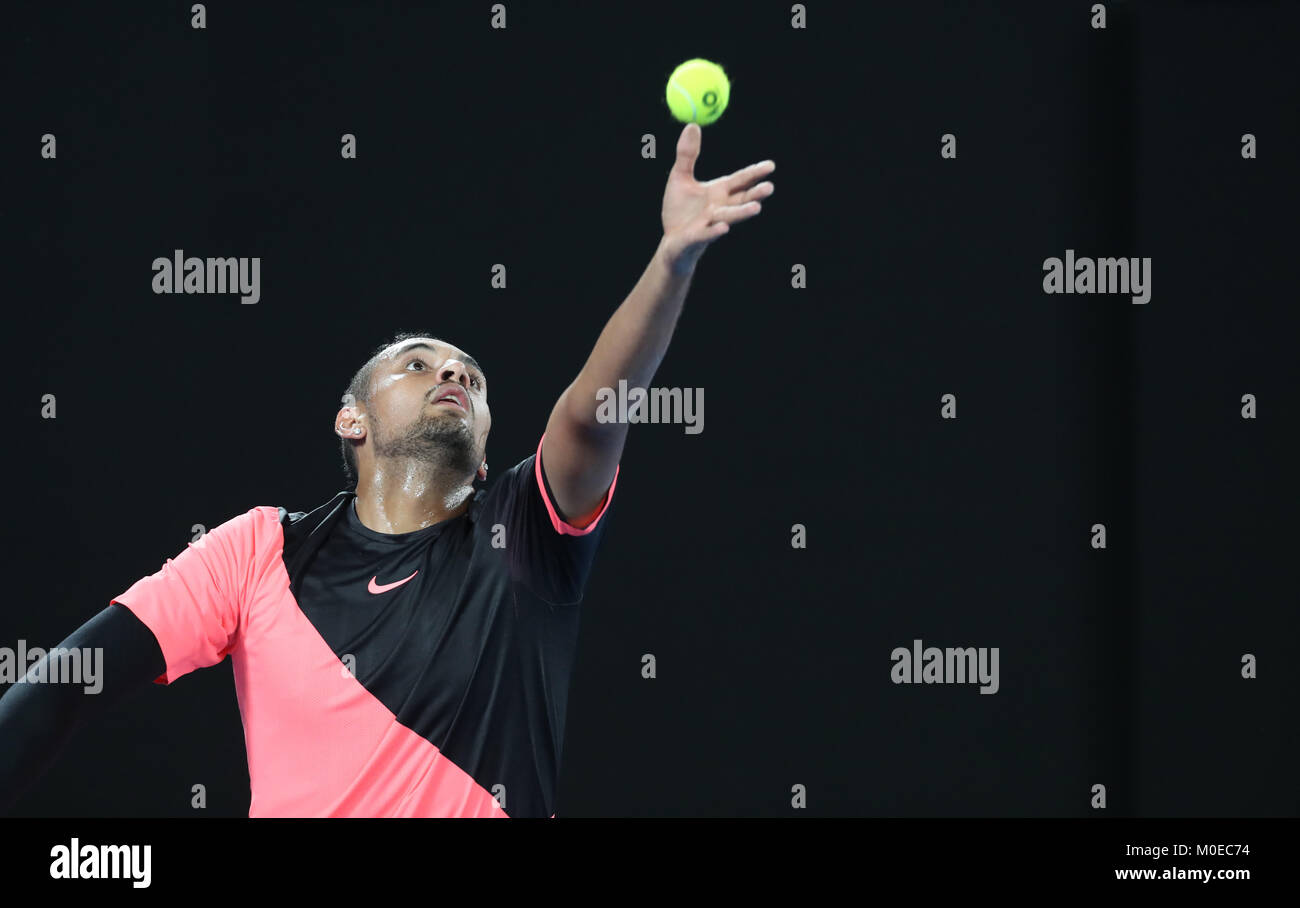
(36, 721)
(633, 342)
(37, 718)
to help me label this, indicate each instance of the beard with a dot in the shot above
(440, 440)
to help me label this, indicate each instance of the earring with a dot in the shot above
(356, 431)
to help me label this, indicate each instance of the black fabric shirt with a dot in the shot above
(416, 674)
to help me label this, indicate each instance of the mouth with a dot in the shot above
(455, 396)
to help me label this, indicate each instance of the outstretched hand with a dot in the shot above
(695, 213)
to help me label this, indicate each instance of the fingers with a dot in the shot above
(761, 191)
(747, 175)
(730, 214)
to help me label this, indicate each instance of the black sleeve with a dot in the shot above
(548, 556)
(37, 719)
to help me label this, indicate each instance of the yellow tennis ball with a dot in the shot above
(698, 91)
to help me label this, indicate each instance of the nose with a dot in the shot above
(454, 370)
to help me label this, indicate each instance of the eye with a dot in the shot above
(474, 379)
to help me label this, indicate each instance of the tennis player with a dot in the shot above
(405, 648)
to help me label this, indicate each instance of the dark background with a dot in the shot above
(522, 147)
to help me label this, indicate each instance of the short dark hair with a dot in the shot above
(359, 391)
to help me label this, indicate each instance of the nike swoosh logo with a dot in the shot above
(385, 587)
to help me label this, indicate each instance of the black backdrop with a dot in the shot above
(477, 146)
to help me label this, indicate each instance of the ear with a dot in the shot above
(348, 424)
(482, 472)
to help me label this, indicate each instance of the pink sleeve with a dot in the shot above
(587, 522)
(198, 602)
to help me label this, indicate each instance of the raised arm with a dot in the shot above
(579, 453)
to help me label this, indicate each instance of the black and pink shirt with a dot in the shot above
(411, 675)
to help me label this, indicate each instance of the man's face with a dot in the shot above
(428, 403)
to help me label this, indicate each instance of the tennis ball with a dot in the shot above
(698, 91)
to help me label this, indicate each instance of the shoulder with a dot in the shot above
(502, 491)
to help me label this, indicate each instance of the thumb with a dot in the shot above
(688, 149)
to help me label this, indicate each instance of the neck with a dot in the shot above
(405, 497)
